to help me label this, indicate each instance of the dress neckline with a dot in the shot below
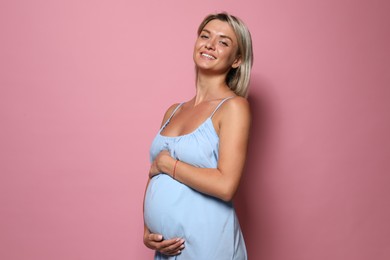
(209, 119)
(192, 132)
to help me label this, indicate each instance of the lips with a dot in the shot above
(208, 56)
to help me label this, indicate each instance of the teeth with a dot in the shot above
(208, 56)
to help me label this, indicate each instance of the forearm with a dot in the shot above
(212, 181)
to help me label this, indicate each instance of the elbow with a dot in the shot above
(227, 194)
(227, 190)
(227, 198)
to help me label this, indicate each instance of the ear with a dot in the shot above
(237, 62)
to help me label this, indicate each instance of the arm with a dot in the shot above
(233, 123)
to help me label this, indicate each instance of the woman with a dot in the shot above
(199, 153)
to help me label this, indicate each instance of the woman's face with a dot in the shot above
(216, 48)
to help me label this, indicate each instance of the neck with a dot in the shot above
(210, 87)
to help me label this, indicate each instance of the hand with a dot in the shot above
(159, 162)
(167, 247)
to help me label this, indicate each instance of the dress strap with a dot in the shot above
(220, 104)
(173, 113)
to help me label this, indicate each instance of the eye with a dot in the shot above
(204, 36)
(224, 43)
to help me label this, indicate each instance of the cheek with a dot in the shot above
(228, 55)
(233, 55)
(195, 51)
(197, 45)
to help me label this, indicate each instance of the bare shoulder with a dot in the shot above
(234, 115)
(237, 103)
(171, 109)
(235, 107)
(168, 113)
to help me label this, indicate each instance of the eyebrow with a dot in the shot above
(222, 36)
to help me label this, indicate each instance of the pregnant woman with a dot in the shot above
(199, 153)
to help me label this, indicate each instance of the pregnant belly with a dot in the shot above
(166, 206)
(175, 210)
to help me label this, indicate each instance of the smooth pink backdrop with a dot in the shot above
(83, 88)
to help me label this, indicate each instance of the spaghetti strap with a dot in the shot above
(173, 113)
(220, 104)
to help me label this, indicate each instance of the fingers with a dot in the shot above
(165, 152)
(155, 237)
(171, 246)
(166, 247)
(153, 170)
(156, 166)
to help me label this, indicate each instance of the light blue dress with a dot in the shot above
(208, 225)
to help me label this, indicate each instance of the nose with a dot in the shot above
(210, 44)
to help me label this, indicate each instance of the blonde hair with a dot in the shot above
(237, 78)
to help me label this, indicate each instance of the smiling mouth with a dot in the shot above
(208, 56)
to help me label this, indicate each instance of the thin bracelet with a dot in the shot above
(174, 169)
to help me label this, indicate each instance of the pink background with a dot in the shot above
(83, 88)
